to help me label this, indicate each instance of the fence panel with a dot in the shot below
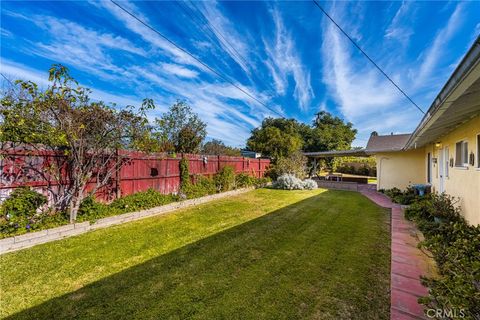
(141, 171)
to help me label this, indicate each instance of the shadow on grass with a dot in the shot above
(324, 257)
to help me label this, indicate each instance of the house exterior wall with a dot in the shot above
(461, 182)
(400, 169)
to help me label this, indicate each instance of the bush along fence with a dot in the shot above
(140, 185)
(455, 246)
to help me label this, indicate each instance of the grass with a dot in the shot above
(265, 254)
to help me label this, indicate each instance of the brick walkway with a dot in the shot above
(408, 263)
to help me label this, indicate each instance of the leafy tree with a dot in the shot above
(276, 137)
(180, 129)
(217, 147)
(62, 120)
(328, 133)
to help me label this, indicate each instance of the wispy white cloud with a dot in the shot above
(5, 33)
(359, 91)
(367, 98)
(145, 33)
(19, 71)
(229, 114)
(179, 70)
(76, 45)
(430, 58)
(284, 61)
(400, 28)
(234, 43)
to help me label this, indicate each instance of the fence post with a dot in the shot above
(218, 163)
(118, 192)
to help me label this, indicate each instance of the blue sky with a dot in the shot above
(286, 54)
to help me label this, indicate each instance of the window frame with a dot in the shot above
(446, 162)
(478, 151)
(429, 167)
(463, 162)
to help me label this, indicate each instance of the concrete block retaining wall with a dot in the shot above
(31, 239)
(341, 185)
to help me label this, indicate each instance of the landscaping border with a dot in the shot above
(34, 238)
(408, 263)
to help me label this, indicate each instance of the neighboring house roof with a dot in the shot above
(387, 143)
(457, 102)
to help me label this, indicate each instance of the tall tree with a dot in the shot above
(180, 129)
(217, 147)
(329, 132)
(276, 137)
(62, 120)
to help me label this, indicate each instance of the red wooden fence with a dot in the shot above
(160, 172)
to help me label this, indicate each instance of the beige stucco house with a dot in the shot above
(444, 149)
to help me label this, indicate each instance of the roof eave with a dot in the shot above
(468, 63)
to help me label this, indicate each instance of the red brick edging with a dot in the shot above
(408, 263)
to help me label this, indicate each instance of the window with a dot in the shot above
(429, 167)
(446, 162)
(461, 154)
(478, 150)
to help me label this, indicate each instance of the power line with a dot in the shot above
(210, 28)
(11, 83)
(8, 80)
(198, 21)
(367, 56)
(219, 34)
(197, 59)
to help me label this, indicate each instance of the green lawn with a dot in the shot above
(265, 254)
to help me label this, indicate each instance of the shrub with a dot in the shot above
(288, 182)
(19, 211)
(202, 186)
(184, 174)
(262, 182)
(421, 209)
(445, 207)
(455, 246)
(225, 179)
(309, 184)
(90, 209)
(142, 200)
(244, 180)
(456, 249)
(403, 197)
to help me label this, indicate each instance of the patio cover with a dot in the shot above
(337, 153)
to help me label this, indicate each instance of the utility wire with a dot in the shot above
(366, 55)
(8, 80)
(210, 28)
(219, 34)
(196, 19)
(197, 59)
(11, 83)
